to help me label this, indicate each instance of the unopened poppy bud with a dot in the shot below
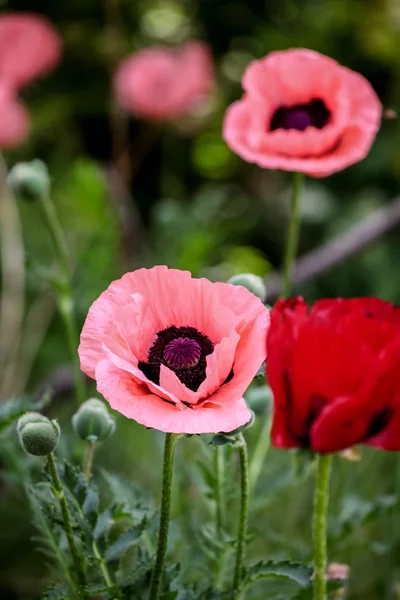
(37, 434)
(29, 181)
(93, 422)
(251, 282)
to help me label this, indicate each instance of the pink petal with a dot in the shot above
(131, 400)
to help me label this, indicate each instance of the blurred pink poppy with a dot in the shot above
(29, 47)
(14, 124)
(164, 83)
(303, 111)
(175, 353)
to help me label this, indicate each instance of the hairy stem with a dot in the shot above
(321, 499)
(76, 557)
(293, 234)
(244, 502)
(166, 489)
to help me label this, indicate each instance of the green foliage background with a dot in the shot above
(194, 205)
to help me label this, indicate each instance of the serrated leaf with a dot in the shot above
(103, 524)
(124, 542)
(296, 572)
(90, 505)
(58, 592)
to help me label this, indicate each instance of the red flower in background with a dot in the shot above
(163, 83)
(29, 48)
(334, 372)
(302, 111)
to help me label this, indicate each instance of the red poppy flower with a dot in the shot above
(334, 372)
(302, 111)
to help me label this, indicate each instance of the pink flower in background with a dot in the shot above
(164, 83)
(173, 352)
(29, 48)
(303, 111)
(14, 122)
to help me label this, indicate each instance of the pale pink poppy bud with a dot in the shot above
(164, 83)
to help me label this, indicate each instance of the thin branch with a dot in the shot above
(13, 282)
(336, 251)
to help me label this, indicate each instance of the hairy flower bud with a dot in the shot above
(93, 422)
(29, 181)
(37, 434)
(251, 282)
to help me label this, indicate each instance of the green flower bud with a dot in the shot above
(29, 181)
(93, 422)
(253, 283)
(37, 434)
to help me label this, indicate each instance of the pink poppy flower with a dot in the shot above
(175, 353)
(14, 122)
(163, 83)
(302, 111)
(29, 47)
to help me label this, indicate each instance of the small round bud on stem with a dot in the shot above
(37, 434)
(93, 422)
(253, 283)
(29, 181)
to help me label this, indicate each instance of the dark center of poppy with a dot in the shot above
(300, 116)
(184, 351)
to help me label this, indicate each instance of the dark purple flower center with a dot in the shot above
(300, 116)
(184, 351)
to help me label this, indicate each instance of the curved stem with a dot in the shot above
(64, 291)
(156, 576)
(320, 526)
(77, 559)
(293, 234)
(244, 502)
(88, 459)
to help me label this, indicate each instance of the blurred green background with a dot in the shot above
(192, 204)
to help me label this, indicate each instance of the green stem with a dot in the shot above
(156, 576)
(220, 489)
(219, 467)
(64, 292)
(88, 459)
(293, 234)
(244, 502)
(103, 568)
(260, 451)
(321, 499)
(77, 559)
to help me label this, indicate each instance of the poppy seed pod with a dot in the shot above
(93, 422)
(29, 181)
(37, 434)
(252, 283)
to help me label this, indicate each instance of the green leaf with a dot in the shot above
(104, 522)
(90, 505)
(125, 541)
(59, 592)
(296, 572)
